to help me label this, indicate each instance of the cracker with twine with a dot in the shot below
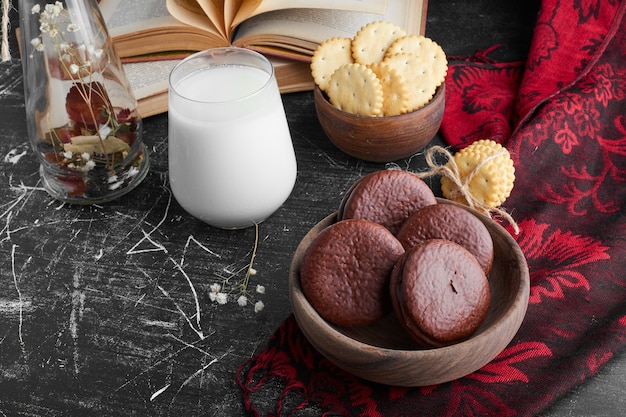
(480, 176)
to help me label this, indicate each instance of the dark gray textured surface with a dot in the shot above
(96, 334)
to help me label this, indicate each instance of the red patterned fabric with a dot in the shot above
(562, 115)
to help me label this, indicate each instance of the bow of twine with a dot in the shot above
(450, 170)
(4, 49)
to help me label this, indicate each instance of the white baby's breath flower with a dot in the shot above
(98, 53)
(213, 296)
(55, 9)
(258, 306)
(53, 33)
(221, 298)
(68, 155)
(104, 131)
(252, 271)
(260, 289)
(36, 43)
(35, 9)
(242, 300)
(74, 68)
(73, 27)
(215, 288)
(89, 165)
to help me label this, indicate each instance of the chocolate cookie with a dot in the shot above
(386, 197)
(447, 221)
(439, 293)
(345, 272)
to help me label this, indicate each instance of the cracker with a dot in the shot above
(425, 48)
(328, 56)
(354, 88)
(409, 44)
(419, 75)
(371, 41)
(493, 182)
(395, 90)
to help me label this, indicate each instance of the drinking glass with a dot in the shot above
(231, 159)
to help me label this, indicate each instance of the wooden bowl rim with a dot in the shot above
(318, 94)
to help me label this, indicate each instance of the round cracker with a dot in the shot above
(409, 44)
(395, 90)
(418, 74)
(493, 182)
(425, 48)
(371, 41)
(354, 88)
(328, 56)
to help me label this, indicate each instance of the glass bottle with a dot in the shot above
(81, 113)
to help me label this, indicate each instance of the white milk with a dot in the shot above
(231, 159)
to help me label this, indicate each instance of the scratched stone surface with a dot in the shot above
(106, 309)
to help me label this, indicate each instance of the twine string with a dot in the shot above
(4, 49)
(451, 171)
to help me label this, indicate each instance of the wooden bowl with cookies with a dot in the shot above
(383, 138)
(385, 353)
(380, 96)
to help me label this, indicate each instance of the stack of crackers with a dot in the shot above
(381, 71)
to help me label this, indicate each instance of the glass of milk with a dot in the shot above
(231, 159)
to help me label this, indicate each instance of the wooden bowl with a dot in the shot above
(384, 353)
(380, 139)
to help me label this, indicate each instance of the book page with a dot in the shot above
(191, 13)
(231, 7)
(123, 17)
(215, 10)
(150, 77)
(253, 8)
(309, 27)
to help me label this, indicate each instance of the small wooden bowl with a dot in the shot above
(383, 352)
(380, 139)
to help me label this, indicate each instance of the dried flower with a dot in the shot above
(221, 298)
(235, 286)
(96, 133)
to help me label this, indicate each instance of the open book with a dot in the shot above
(152, 35)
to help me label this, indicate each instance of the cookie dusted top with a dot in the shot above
(447, 221)
(345, 272)
(386, 197)
(439, 293)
